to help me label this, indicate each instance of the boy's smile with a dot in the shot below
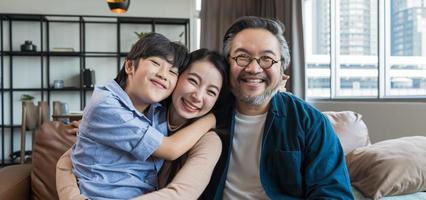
(151, 82)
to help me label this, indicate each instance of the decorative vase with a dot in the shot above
(30, 114)
(43, 112)
(28, 46)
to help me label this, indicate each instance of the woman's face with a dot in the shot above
(197, 90)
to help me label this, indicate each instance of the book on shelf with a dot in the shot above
(62, 49)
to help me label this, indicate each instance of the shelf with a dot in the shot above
(60, 53)
(100, 54)
(66, 45)
(124, 54)
(11, 126)
(21, 53)
(64, 54)
(21, 89)
(46, 89)
(89, 89)
(64, 89)
(19, 17)
(69, 89)
(9, 162)
(130, 20)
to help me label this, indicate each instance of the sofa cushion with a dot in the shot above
(15, 182)
(52, 139)
(390, 167)
(350, 129)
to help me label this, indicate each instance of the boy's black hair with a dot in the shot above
(154, 44)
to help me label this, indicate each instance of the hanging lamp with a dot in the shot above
(118, 6)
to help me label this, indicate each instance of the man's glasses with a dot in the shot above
(264, 62)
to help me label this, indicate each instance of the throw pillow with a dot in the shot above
(52, 139)
(390, 167)
(350, 129)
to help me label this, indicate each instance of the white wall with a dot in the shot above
(137, 8)
(140, 8)
(385, 120)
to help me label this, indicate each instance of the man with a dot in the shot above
(278, 146)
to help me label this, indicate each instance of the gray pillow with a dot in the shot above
(350, 129)
(390, 167)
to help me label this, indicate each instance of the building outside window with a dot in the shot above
(365, 48)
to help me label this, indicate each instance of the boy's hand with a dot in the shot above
(210, 120)
(174, 146)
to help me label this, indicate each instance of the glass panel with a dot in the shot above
(25, 67)
(64, 36)
(128, 36)
(407, 65)
(172, 32)
(25, 31)
(318, 45)
(66, 69)
(105, 69)
(358, 60)
(101, 41)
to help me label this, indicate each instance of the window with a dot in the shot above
(198, 21)
(365, 48)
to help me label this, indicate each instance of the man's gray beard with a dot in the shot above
(259, 99)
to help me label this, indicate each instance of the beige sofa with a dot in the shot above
(37, 180)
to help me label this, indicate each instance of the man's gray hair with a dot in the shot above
(274, 26)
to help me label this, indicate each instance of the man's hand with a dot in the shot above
(74, 129)
(284, 79)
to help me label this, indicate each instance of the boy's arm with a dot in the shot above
(107, 122)
(177, 144)
(195, 174)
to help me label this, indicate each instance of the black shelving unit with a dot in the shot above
(121, 31)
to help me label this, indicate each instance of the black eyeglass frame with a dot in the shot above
(235, 58)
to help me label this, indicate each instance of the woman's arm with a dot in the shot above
(66, 182)
(188, 183)
(193, 177)
(174, 146)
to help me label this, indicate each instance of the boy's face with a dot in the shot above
(152, 81)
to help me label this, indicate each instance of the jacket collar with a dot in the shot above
(279, 104)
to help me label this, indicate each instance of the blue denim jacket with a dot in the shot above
(112, 156)
(301, 156)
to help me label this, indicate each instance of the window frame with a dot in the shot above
(384, 59)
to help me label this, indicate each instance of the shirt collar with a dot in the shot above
(123, 97)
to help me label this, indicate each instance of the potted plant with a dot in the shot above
(140, 34)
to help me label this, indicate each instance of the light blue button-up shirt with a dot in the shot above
(112, 155)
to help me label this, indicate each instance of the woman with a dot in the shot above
(201, 87)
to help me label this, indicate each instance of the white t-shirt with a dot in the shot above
(243, 180)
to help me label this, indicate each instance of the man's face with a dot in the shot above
(252, 84)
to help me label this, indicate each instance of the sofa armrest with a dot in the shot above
(15, 182)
